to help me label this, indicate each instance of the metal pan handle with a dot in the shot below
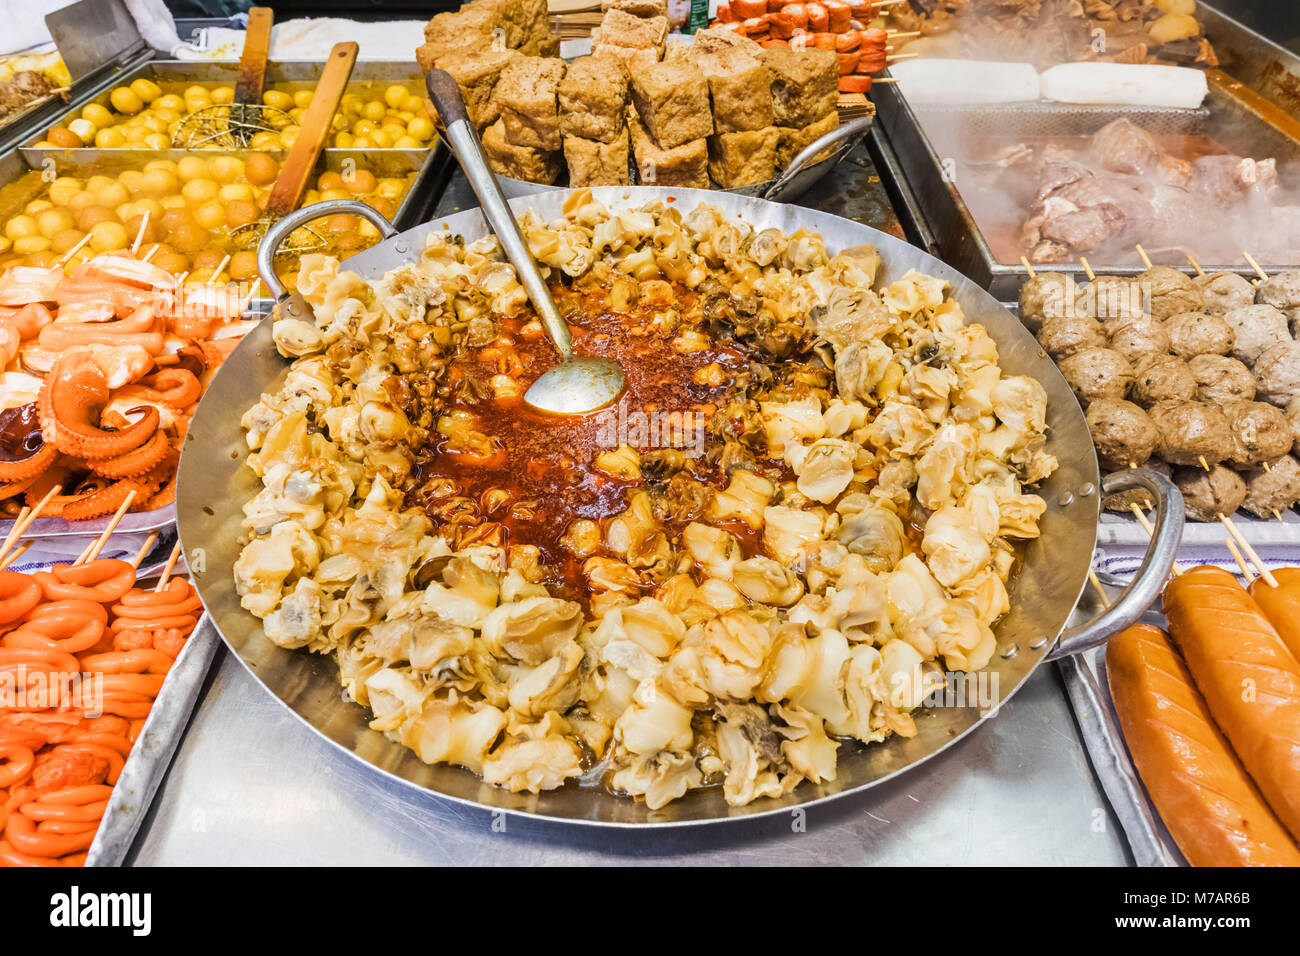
(266, 249)
(849, 131)
(1151, 576)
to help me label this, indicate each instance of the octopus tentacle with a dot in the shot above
(136, 462)
(12, 488)
(104, 501)
(69, 405)
(165, 473)
(30, 467)
(174, 387)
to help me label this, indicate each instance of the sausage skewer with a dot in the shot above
(1241, 561)
(167, 568)
(96, 546)
(14, 555)
(1246, 546)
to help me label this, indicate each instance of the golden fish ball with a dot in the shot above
(383, 206)
(146, 89)
(45, 259)
(380, 140)
(352, 104)
(30, 244)
(277, 99)
(329, 180)
(405, 116)
(79, 201)
(393, 129)
(108, 237)
(362, 142)
(171, 261)
(265, 141)
(261, 169)
(210, 215)
(173, 219)
(84, 130)
(227, 169)
(167, 164)
(158, 141)
(164, 118)
(189, 238)
(151, 206)
(396, 96)
(421, 128)
(302, 98)
(243, 265)
(311, 196)
(297, 114)
(161, 182)
(98, 182)
(152, 231)
(289, 136)
(407, 142)
(196, 91)
(168, 101)
(64, 138)
(174, 201)
(50, 222)
(126, 100)
(359, 182)
(136, 137)
(91, 216)
(21, 227)
(241, 212)
(339, 122)
(222, 95)
(97, 114)
(65, 240)
(368, 232)
(208, 259)
(232, 191)
(374, 111)
(192, 167)
(344, 140)
(110, 138)
(334, 195)
(111, 194)
(37, 205)
(363, 127)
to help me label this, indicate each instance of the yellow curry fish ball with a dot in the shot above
(396, 96)
(198, 191)
(227, 169)
(63, 188)
(420, 128)
(390, 188)
(265, 141)
(288, 136)
(241, 212)
(232, 191)
(112, 193)
(150, 205)
(197, 92)
(21, 227)
(243, 265)
(373, 111)
(277, 99)
(97, 114)
(192, 167)
(135, 137)
(168, 101)
(363, 127)
(351, 104)
(211, 215)
(157, 141)
(302, 99)
(108, 236)
(344, 140)
(359, 182)
(146, 89)
(208, 259)
(110, 138)
(64, 138)
(84, 130)
(126, 100)
(91, 216)
(37, 205)
(30, 244)
(329, 180)
(161, 183)
(168, 164)
(223, 94)
(173, 201)
(380, 140)
(333, 195)
(79, 201)
(171, 261)
(261, 169)
(65, 240)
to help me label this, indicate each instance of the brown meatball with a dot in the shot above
(1097, 373)
(1162, 378)
(1255, 328)
(1293, 416)
(1124, 500)
(1112, 300)
(1277, 373)
(1045, 296)
(1208, 494)
(1122, 432)
(1172, 292)
(1260, 432)
(1139, 338)
(1223, 291)
(1190, 432)
(1198, 333)
(1276, 488)
(1062, 337)
(1220, 379)
(1281, 291)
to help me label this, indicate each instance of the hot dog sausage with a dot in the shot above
(1250, 681)
(1281, 605)
(1203, 794)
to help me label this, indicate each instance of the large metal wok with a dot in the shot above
(213, 485)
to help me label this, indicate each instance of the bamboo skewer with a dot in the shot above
(1241, 562)
(1150, 529)
(1101, 591)
(148, 545)
(212, 279)
(1028, 268)
(15, 555)
(1087, 269)
(139, 236)
(22, 524)
(149, 255)
(1254, 265)
(1195, 265)
(1247, 547)
(97, 545)
(1142, 254)
(63, 260)
(15, 530)
(895, 57)
(167, 568)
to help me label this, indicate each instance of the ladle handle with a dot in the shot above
(447, 100)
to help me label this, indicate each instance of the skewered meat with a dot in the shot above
(1172, 292)
(1255, 328)
(1097, 373)
(1064, 336)
(1139, 338)
(1260, 432)
(1123, 501)
(1220, 379)
(1123, 433)
(1224, 290)
(1113, 300)
(1198, 333)
(1276, 489)
(1190, 431)
(1208, 494)
(1281, 291)
(1162, 378)
(1044, 297)
(1277, 373)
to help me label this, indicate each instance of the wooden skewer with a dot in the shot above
(63, 260)
(903, 35)
(167, 568)
(212, 279)
(1251, 553)
(1201, 461)
(1195, 265)
(1028, 268)
(22, 524)
(15, 530)
(1096, 584)
(149, 255)
(1241, 562)
(11, 558)
(97, 545)
(1277, 514)
(1087, 269)
(895, 57)
(139, 236)
(1147, 526)
(148, 545)
(1142, 254)
(883, 79)
(1254, 265)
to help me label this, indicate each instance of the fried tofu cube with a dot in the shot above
(740, 88)
(593, 98)
(479, 18)
(432, 53)
(624, 29)
(793, 140)
(634, 59)
(477, 74)
(547, 45)
(745, 158)
(673, 101)
(595, 163)
(526, 95)
(638, 8)
(716, 38)
(805, 84)
(519, 162)
(684, 165)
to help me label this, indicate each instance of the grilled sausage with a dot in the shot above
(1207, 801)
(1250, 681)
(1281, 605)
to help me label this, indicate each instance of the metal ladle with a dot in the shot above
(578, 384)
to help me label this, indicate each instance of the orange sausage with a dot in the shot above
(798, 12)
(838, 15)
(849, 62)
(855, 84)
(824, 41)
(783, 25)
(1250, 680)
(1281, 605)
(725, 13)
(753, 26)
(1203, 794)
(847, 42)
(819, 20)
(862, 11)
(748, 9)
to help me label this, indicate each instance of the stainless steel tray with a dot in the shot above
(213, 484)
(150, 757)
